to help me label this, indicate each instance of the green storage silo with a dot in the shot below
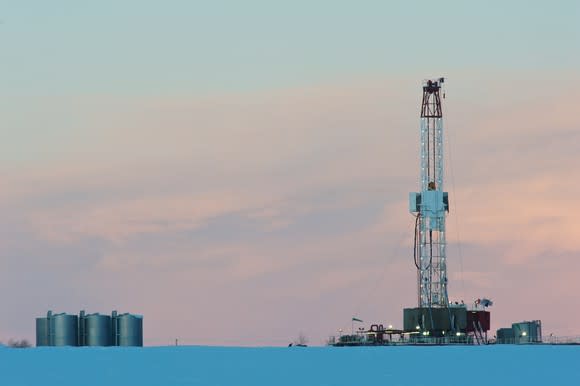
(95, 330)
(63, 330)
(127, 329)
(42, 332)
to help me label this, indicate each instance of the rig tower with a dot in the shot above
(433, 316)
(434, 320)
(430, 205)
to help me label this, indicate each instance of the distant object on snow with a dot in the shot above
(89, 330)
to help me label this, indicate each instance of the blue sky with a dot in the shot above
(195, 47)
(135, 49)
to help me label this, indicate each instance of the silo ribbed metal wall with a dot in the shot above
(42, 332)
(98, 330)
(63, 330)
(129, 330)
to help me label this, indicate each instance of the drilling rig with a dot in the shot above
(435, 316)
(435, 319)
(431, 204)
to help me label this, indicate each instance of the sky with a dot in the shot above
(238, 172)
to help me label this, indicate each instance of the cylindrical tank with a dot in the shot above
(97, 330)
(42, 332)
(63, 330)
(128, 330)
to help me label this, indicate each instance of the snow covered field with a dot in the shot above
(417, 366)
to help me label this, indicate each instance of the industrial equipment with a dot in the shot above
(435, 316)
(89, 330)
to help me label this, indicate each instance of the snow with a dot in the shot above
(353, 366)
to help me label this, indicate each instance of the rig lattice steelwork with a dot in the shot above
(431, 204)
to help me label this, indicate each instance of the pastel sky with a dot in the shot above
(238, 171)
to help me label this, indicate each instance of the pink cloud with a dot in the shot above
(282, 161)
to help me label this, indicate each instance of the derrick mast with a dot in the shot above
(429, 206)
(434, 316)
